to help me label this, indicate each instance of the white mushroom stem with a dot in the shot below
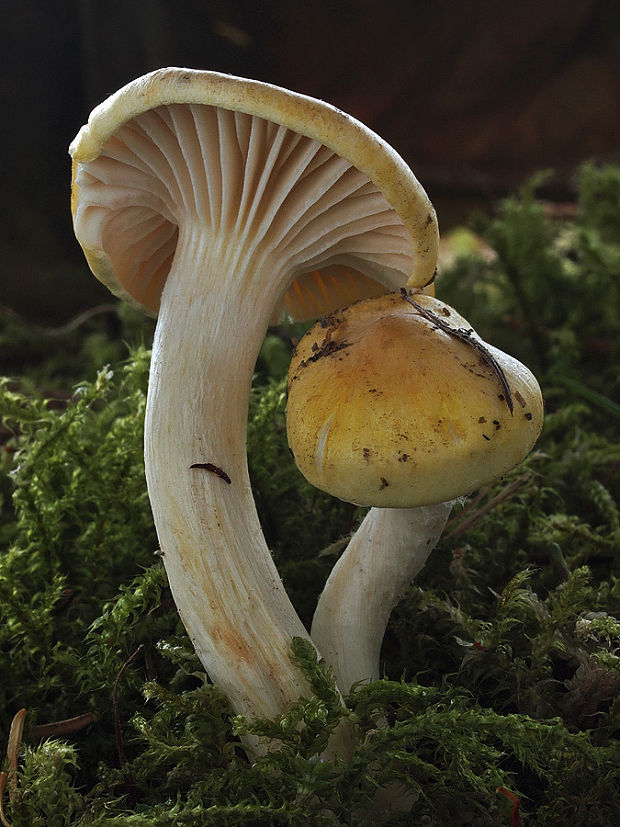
(221, 573)
(385, 554)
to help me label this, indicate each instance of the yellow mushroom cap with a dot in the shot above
(396, 402)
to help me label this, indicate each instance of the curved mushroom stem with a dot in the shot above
(385, 554)
(224, 582)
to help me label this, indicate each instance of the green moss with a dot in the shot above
(501, 664)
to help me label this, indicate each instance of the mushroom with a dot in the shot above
(395, 402)
(216, 203)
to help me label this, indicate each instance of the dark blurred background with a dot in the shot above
(474, 94)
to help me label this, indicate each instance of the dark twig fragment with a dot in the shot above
(122, 758)
(214, 469)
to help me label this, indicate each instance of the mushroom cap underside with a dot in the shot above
(288, 183)
(387, 408)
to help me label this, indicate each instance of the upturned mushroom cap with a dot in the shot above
(281, 179)
(387, 407)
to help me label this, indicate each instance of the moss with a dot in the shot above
(501, 663)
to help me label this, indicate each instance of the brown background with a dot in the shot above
(474, 94)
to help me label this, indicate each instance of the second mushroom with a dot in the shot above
(396, 403)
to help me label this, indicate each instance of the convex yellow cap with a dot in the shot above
(396, 402)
